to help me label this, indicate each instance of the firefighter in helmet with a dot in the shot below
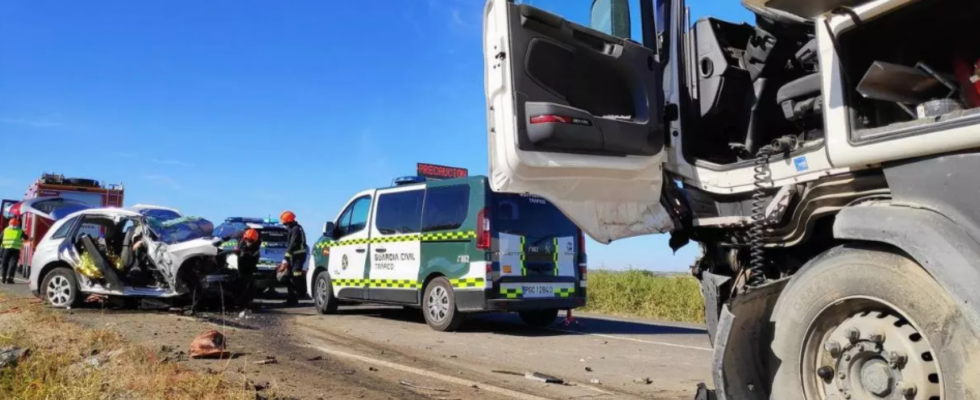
(248, 249)
(291, 269)
(13, 240)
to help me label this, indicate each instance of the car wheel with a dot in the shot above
(61, 288)
(539, 318)
(439, 306)
(323, 296)
(861, 323)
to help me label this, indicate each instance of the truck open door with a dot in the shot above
(576, 116)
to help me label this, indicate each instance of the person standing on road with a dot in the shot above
(248, 250)
(296, 251)
(13, 240)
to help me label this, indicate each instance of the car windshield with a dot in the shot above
(160, 214)
(181, 229)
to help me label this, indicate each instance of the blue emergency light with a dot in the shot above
(244, 219)
(407, 180)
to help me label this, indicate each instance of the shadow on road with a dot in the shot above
(511, 324)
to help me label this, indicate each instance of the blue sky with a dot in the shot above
(228, 107)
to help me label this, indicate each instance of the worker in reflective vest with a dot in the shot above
(291, 268)
(13, 240)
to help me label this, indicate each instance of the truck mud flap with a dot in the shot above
(741, 344)
(113, 282)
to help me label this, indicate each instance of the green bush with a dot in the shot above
(637, 293)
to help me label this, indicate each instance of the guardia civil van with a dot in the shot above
(450, 247)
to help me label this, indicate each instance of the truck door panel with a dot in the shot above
(575, 116)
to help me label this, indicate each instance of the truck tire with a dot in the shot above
(60, 288)
(323, 297)
(539, 318)
(439, 306)
(865, 323)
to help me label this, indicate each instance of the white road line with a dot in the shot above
(430, 374)
(681, 346)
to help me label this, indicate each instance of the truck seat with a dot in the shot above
(800, 98)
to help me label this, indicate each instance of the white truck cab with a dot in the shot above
(817, 157)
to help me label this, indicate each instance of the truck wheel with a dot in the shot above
(61, 288)
(323, 296)
(439, 306)
(539, 318)
(859, 323)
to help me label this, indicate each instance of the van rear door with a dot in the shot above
(576, 116)
(538, 245)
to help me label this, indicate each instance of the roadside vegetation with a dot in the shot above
(68, 361)
(637, 293)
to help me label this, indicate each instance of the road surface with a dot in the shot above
(396, 355)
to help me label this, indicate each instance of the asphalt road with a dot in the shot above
(598, 357)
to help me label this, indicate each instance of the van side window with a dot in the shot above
(399, 212)
(354, 219)
(62, 232)
(445, 208)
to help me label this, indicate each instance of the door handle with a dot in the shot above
(361, 250)
(380, 250)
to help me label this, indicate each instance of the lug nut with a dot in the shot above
(877, 337)
(896, 359)
(847, 357)
(825, 372)
(852, 334)
(833, 348)
(842, 375)
(907, 389)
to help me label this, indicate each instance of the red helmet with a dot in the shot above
(14, 222)
(251, 234)
(287, 217)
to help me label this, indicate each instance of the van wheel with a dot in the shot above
(323, 296)
(539, 318)
(439, 306)
(61, 288)
(868, 324)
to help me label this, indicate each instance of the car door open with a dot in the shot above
(575, 116)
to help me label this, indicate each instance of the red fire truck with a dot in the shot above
(34, 211)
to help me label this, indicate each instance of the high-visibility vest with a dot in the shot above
(13, 238)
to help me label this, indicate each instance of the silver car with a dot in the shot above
(82, 255)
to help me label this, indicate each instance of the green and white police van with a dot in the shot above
(450, 247)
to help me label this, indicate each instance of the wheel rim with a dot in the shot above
(867, 349)
(59, 291)
(438, 304)
(321, 291)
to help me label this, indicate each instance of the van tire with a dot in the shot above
(439, 306)
(871, 284)
(323, 298)
(61, 279)
(539, 318)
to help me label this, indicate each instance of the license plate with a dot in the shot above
(531, 291)
(275, 252)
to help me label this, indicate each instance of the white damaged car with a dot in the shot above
(85, 253)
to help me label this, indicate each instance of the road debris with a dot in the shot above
(412, 385)
(315, 358)
(268, 360)
(643, 381)
(96, 298)
(537, 376)
(349, 372)
(210, 344)
(507, 373)
(372, 369)
(10, 356)
(245, 314)
(588, 369)
(595, 381)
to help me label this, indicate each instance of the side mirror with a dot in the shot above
(611, 17)
(329, 230)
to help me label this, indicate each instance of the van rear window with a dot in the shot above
(529, 216)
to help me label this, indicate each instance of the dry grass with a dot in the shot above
(643, 294)
(59, 363)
